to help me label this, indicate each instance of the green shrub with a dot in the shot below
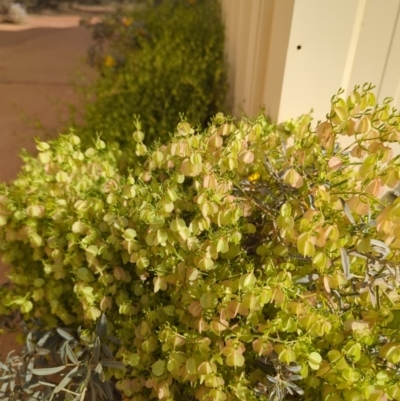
(246, 260)
(156, 62)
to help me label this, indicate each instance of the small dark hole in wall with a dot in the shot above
(298, 47)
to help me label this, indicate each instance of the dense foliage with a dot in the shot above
(39, 5)
(56, 365)
(247, 260)
(12, 12)
(155, 61)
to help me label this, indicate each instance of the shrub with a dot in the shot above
(12, 12)
(59, 366)
(156, 62)
(246, 260)
(4, 6)
(39, 5)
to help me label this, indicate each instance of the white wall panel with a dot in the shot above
(256, 63)
(390, 80)
(374, 41)
(342, 43)
(323, 29)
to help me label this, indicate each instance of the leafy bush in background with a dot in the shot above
(39, 5)
(156, 62)
(247, 260)
(12, 12)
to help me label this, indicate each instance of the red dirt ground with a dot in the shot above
(36, 64)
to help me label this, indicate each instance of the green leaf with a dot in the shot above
(222, 245)
(85, 274)
(129, 234)
(206, 264)
(235, 359)
(177, 225)
(208, 300)
(158, 368)
(247, 281)
(191, 366)
(133, 360)
(314, 360)
(162, 236)
(304, 245)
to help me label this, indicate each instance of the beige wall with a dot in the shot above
(292, 55)
(257, 35)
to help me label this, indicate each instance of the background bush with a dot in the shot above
(156, 62)
(12, 12)
(241, 261)
(39, 5)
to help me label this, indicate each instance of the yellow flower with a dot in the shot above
(254, 177)
(109, 61)
(127, 21)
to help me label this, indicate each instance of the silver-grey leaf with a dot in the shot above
(96, 352)
(47, 383)
(63, 353)
(70, 397)
(98, 387)
(307, 279)
(380, 247)
(108, 391)
(338, 297)
(295, 377)
(92, 391)
(65, 381)
(71, 355)
(101, 328)
(3, 387)
(81, 371)
(29, 343)
(296, 388)
(347, 210)
(102, 376)
(288, 389)
(345, 262)
(372, 296)
(99, 368)
(358, 255)
(293, 369)
(29, 374)
(114, 340)
(64, 334)
(48, 371)
(107, 352)
(4, 367)
(42, 351)
(32, 384)
(42, 341)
